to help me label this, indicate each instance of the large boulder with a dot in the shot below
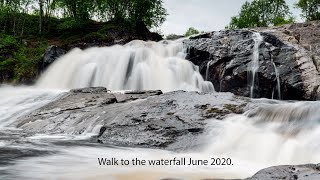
(52, 53)
(137, 119)
(225, 58)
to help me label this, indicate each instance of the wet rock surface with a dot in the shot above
(52, 53)
(301, 172)
(171, 121)
(229, 56)
(136, 119)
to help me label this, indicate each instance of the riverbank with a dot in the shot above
(66, 132)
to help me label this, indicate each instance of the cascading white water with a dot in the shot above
(273, 134)
(207, 70)
(17, 101)
(258, 39)
(138, 65)
(270, 135)
(278, 80)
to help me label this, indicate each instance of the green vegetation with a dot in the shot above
(310, 9)
(19, 62)
(28, 26)
(215, 111)
(191, 31)
(237, 109)
(262, 13)
(76, 13)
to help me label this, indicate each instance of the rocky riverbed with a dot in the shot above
(136, 119)
(43, 130)
(175, 121)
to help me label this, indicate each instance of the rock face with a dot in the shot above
(301, 172)
(52, 53)
(137, 119)
(225, 57)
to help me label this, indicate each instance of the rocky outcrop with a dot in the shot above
(137, 119)
(301, 172)
(225, 57)
(52, 53)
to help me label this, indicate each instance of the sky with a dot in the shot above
(205, 15)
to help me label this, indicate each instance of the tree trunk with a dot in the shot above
(40, 16)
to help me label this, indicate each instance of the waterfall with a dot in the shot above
(220, 90)
(278, 80)
(207, 70)
(272, 134)
(255, 61)
(137, 65)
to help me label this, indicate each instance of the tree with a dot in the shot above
(150, 12)
(40, 15)
(310, 9)
(191, 31)
(262, 13)
(77, 9)
(75, 13)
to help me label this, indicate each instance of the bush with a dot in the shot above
(17, 61)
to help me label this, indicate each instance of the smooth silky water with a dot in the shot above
(273, 133)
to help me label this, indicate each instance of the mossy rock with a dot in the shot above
(237, 109)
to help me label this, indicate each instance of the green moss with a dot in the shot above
(237, 109)
(215, 111)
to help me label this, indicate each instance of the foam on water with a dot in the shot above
(17, 101)
(138, 65)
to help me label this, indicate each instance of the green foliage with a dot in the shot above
(7, 41)
(262, 13)
(77, 9)
(310, 9)
(278, 21)
(191, 31)
(69, 23)
(150, 12)
(26, 27)
(17, 60)
(76, 12)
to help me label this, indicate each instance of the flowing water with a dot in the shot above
(278, 81)
(138, 65)
(258, 39)
(278, 87)
(269, 133)
(207, 70)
